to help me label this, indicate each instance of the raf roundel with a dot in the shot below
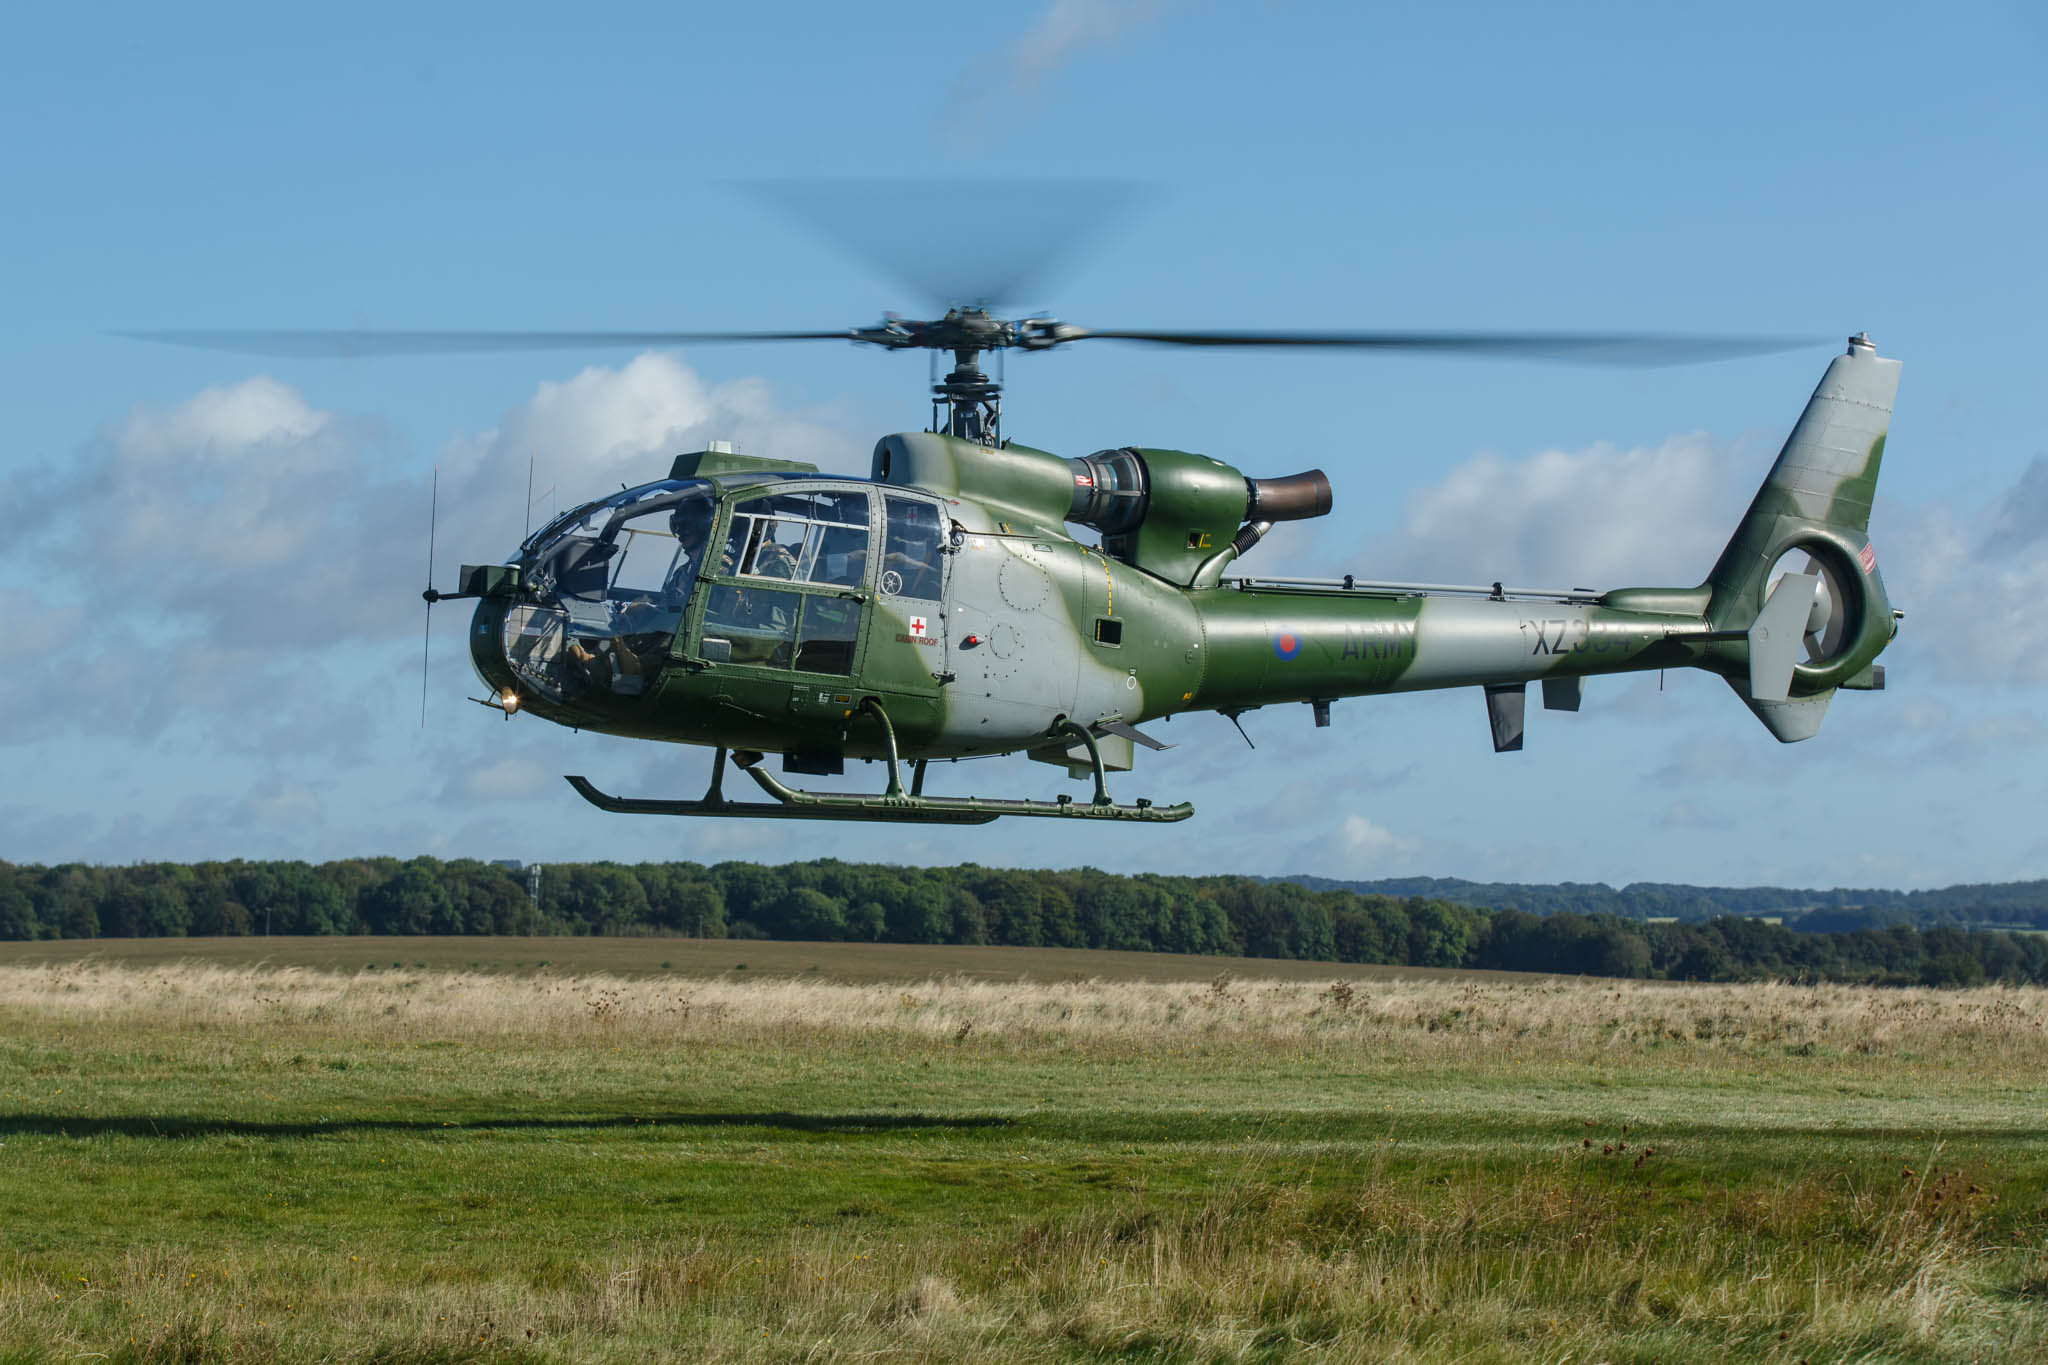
(1286, 644)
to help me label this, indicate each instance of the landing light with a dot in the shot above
(508, 701)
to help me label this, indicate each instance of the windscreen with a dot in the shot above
(608, 584)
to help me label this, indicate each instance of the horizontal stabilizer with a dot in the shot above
(1777, 634)
(1072, 754)
(1132, 733)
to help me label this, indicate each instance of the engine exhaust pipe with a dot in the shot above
(1295, 497)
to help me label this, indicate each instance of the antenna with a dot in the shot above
(529, 499)
(427, 644)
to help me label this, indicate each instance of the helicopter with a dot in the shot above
(946, 608)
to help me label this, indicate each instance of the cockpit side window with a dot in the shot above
(808, 539)
(801, 537)
(910, 554)
(780, 549)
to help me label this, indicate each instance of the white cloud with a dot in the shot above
(1362, 840)
(1598, 518)
(1971, 584)
(603, 427)
(250, 564)
(1606, 517)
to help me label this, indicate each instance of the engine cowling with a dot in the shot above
(1169, 511)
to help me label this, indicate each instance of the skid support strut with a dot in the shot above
(895, 804)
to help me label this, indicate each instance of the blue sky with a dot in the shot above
(212, 573)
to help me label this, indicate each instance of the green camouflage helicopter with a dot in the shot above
(943, 608)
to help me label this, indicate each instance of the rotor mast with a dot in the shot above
(967, 403)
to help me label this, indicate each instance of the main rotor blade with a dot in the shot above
(958, 240)
(1585, 348)
(372, 343)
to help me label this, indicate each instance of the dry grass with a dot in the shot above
(1997, 1028)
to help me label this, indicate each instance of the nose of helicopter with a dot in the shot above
(488, 653)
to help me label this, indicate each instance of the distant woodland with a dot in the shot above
(1997, 905)
(1083, 908)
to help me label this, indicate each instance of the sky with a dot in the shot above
(211, 570)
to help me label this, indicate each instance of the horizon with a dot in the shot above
(513, 864)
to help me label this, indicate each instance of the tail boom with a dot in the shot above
(1280, 641)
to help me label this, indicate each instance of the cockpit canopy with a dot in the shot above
(644, 542)
(608, 586)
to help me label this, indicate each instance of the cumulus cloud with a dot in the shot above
(1971, 582)
(1599, 518)
(601, 427)
(1608, 517)
(247, 556)
(1365, 842)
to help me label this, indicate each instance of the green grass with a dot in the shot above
(416, 1166)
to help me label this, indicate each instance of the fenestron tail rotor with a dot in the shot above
(1827, 623)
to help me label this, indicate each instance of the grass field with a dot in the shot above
(285, 1162)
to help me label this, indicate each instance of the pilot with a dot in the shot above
(692, 526)
(636, 651)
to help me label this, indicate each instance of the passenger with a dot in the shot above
(772, 560)
(911, 561)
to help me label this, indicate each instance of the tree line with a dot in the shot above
(1078, 908)
(1984, 905)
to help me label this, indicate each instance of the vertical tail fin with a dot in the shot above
(1821, 485)
(1815, 507)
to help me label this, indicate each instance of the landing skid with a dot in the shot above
(894, 806)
